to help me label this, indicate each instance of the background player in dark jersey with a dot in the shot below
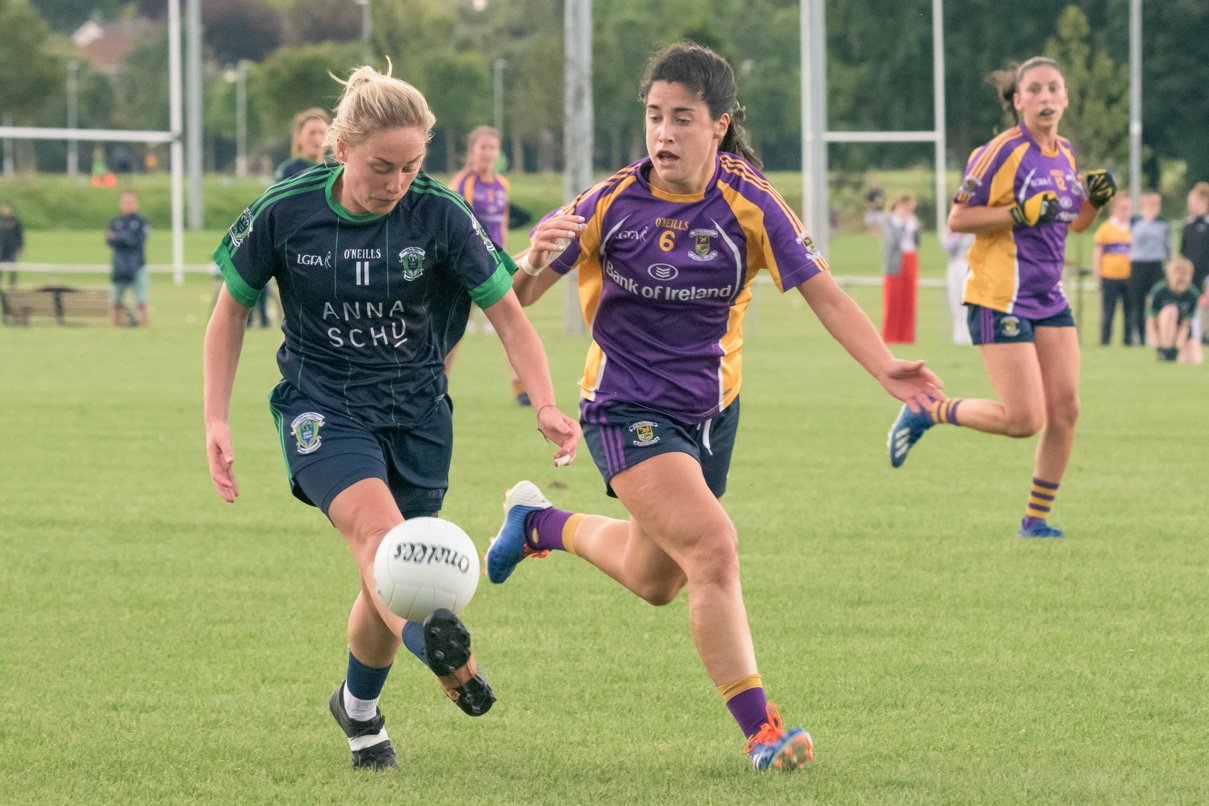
(307, 145)
(377, 266)
(1019, 197)
(667, 250)
(1194, 245)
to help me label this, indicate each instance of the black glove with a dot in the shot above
(1039, 209)
(1100, 187)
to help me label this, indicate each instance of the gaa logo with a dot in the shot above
(242, 228)
(305, 428)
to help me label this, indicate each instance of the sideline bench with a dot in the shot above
(61, 302)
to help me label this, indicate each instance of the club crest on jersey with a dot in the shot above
(808, 244)
(970, 184)
(306, 431)
(1011, 326)
(644, 433)
(242, 228)
(702, 248)
(412, 259)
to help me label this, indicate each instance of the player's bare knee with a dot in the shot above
(715, 562)
(1024, 423)
(660, 592)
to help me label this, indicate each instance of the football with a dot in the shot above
(424, 564)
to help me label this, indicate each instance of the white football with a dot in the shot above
(424, 564)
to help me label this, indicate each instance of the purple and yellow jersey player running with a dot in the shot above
(1020, 196)
(667, 250)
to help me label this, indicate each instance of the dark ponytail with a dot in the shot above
(707, 75)
(1007, 82)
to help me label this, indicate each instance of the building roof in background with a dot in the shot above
(107, 44)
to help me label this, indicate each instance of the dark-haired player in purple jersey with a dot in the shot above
(377, 266)
(1019, 197)
(667, 250)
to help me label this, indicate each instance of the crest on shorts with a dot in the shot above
(242, 228)
(412, 259)
(702, 246)
(644, 433)
(1011, 326)
(306, 431)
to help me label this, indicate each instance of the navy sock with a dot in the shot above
(413, 639)
(364, 682)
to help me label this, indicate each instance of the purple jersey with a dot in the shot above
(664, 281)
(1018, 269)
(487, 197)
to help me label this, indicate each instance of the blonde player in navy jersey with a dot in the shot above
(377, 266)
(1019, 197)
(667, 250)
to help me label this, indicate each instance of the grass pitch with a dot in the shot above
(160, 646)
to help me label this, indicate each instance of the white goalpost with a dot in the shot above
(172, 137)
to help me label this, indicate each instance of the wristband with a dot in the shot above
(528, 268)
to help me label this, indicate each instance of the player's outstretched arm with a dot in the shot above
(220, 359)
(908, 381)
(528, 358)
(530, 283)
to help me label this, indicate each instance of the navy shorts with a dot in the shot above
(620, 435)
(326, 452)
(988, 326)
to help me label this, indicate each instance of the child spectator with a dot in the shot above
(1110, 263)
(1172, 305)
(127, 234)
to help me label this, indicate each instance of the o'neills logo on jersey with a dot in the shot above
(412, 259)
(702, 248)
(362, 254)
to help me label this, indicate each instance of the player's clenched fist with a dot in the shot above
(1039, 209)
(1100, 187)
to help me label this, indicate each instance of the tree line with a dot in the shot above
(879, 72)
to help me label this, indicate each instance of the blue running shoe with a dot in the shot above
(509, 546)
(905, 432)
(779, 749)
(1042, 529)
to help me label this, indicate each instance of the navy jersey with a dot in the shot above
(372, 303)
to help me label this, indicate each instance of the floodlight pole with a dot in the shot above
(938, 114)
(577, 128)
(1135, 97)
(177, 159)
(194, 130)
(73, 98)
(498, 95)
(241, 119)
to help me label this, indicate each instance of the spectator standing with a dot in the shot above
(127, 235)
(1194, 245)
(1149, 250)
(12, 240)
(900, 266)
(1110, 264)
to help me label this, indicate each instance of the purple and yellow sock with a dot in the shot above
(945, 411)
(1040, 499)
(551, 529)
(745, 700)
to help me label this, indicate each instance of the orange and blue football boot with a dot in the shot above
(779, 749)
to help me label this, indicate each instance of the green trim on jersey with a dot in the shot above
(338, 208)
(243, 293)
(493, 290)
